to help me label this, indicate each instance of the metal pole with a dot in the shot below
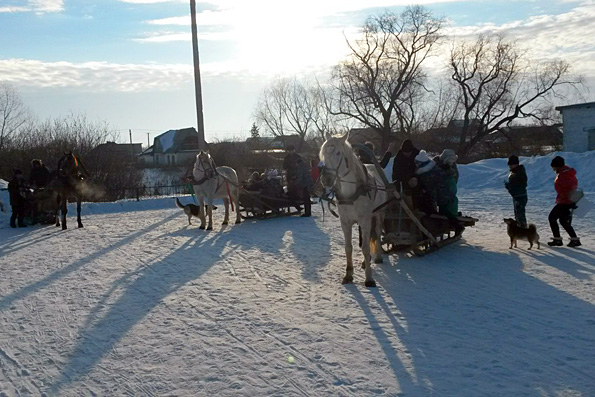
(197, 84)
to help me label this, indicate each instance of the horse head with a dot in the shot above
(205, 165)
(337, 155)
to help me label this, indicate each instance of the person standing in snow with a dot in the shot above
(517, 187)
(565, 183)
(290, 166)
(18, 203)
(304, 182)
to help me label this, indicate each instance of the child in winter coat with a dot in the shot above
(17, 199)
(448, 203)
(517, 187)
(565, 183)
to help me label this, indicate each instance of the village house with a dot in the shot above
(579, 126)
(173, 148)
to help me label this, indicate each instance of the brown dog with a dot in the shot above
(515, 232)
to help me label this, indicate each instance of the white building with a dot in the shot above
(579, 126)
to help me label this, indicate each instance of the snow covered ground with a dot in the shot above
(140, 303)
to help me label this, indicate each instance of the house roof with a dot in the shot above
(576, 105)
(175, 141)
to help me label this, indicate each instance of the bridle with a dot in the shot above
(362, 187)
(207, 168)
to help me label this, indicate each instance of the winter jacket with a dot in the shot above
(517, 182)
(40, 176)
(564, 184)
(404, 167)
(304, 179)
(290, 163)
(15, 191)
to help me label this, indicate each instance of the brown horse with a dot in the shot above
(68, 183)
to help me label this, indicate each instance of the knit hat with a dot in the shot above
(407, 146)
(422, 157)
(558, 162)
(448, 156)
(513, 160)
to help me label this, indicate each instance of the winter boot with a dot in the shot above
(556, 242)
(574, 242)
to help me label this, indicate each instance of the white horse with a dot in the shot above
(358, 190)
(212, 182)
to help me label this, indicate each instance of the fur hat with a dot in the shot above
(448, 156)
(423, 162)
(513, 160)
(558, 162)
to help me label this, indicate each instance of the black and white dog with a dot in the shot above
(189, 209)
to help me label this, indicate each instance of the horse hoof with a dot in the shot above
(238, 222)
(378, 260)
(202, 227)
(224, 223)
(80, 225)
(210, 228)
(347, 280)
(64, 228)
(370, 283)
(363, 264)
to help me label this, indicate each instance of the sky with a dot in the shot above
(129, 62)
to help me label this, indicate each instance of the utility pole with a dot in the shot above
(148, 141)
(197, 84)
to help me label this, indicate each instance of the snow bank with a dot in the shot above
(491, 173)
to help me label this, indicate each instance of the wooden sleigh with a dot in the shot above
(406, 229)
(254, 204)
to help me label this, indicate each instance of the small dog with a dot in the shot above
(190, 209)
(515, 232)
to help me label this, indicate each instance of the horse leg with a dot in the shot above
(366, 231)
(79, 199)
(348, 279)
(210, 213)
(226, 205)
(201, 212)
(236, 203)
(64, 211)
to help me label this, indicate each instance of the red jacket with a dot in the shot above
(565, 183)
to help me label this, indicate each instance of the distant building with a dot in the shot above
(579, 126)
(173, 148)
(120, 152)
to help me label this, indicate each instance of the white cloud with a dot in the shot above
(563, 36)
(37, 6)
(95, 76)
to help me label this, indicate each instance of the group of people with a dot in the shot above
(20, 191)
(566, 185)
(427, 184)
(24, 192)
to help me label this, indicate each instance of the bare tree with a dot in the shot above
(287, 106)
(13, 114)
(499, 84)
(381, 82)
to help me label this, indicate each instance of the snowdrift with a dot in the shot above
(491, 173)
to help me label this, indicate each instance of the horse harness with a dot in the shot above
(209, 173)
(361, 189)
